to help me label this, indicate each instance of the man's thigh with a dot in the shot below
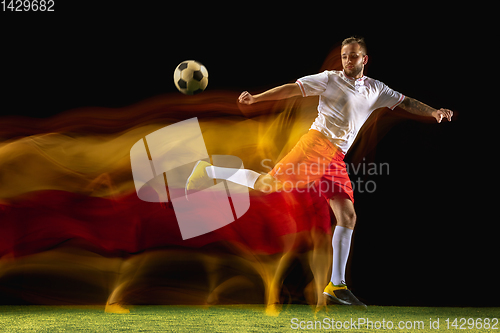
(307, 162)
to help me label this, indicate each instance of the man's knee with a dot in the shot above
(347, 220)
(344, 212)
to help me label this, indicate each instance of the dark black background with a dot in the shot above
(425, 237)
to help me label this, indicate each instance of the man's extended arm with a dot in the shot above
(416, 107)
(281, 92)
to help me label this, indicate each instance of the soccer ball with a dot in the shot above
(191, 77)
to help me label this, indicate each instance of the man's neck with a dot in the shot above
(359, 76)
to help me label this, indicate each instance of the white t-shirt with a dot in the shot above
(346, 103)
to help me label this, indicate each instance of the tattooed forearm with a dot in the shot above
(416, 107)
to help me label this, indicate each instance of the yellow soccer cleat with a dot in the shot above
(339, 294)
(198, 179)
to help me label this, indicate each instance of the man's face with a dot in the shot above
(353, 60)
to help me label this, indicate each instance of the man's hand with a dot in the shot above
(442, 113)
(246, 98)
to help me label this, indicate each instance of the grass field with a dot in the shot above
(245, 318)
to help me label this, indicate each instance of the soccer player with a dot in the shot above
(346, 100)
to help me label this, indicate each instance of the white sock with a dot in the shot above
(341, 243)
(239, 176)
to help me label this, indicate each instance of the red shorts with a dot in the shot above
(314, 164)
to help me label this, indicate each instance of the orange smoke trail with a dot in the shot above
(66, 181)
(81, 149)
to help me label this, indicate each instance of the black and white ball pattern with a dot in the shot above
(191, 77)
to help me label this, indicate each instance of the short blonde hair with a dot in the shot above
(356, 39)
